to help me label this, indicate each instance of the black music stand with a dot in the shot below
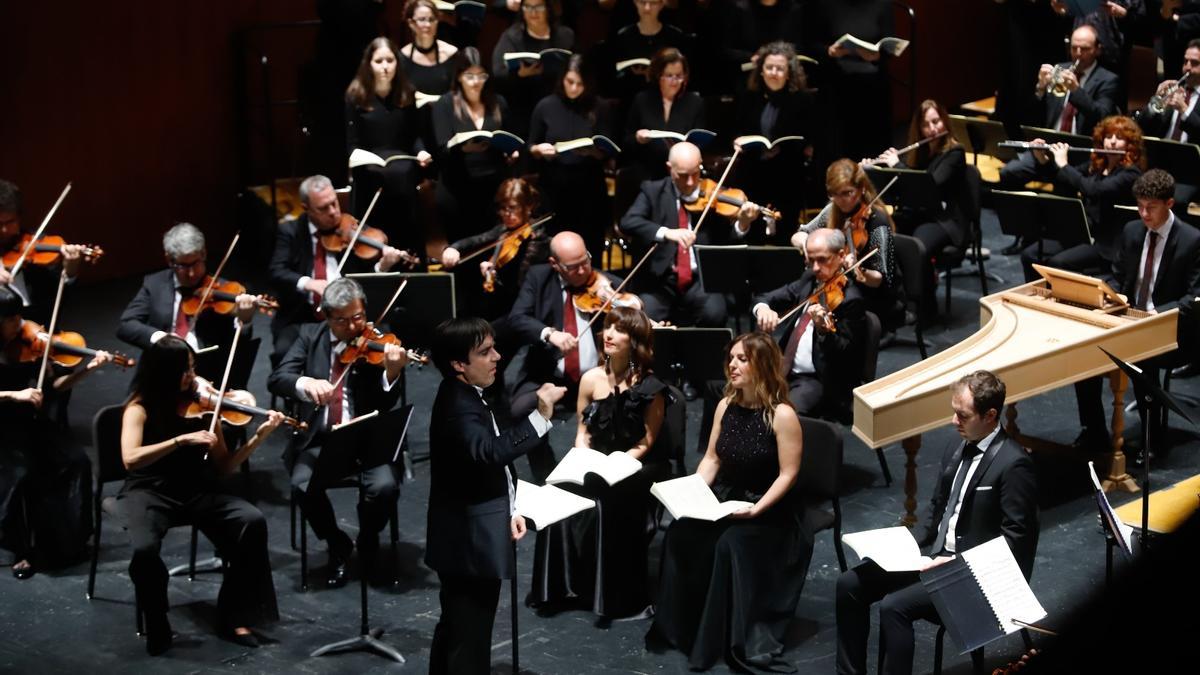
(1151, 399)
(1055, 136)
(426, 301)
(1041, 215)
(744, 270)
(378, 432)
(981, 136)
(1181, 160)
(913, 189)
(697, 353)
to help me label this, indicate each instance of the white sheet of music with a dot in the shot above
(892, 548)
(690, 497)
(546, 504)
(999, 577)
(578, 462)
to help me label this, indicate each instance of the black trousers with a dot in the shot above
(237, 529)
(693, 307)
(317, 468)
(902, 600)
(462, 640)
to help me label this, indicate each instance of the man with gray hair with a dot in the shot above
(330, 392)
(301, 265)
(158, 307)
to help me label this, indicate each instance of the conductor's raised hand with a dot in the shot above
(547, 395)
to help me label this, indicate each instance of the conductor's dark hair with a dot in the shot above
(10, 303)
(10, 197)
(160, 370)
(1154, 184)
(987, 391)
(455, 339)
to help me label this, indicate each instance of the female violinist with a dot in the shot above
(45, 478)
(173, 465)
(511, 247)
(381, 117)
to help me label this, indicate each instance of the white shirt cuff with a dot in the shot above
(754, 309)
(387, 386)
(302, 284)
(540, 424)
(300, 392)
(546, 333)
(157, 335)
(660, 234)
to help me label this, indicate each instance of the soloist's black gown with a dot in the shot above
(730, 588)
(598, 558)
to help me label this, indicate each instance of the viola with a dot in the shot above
(596, 296)
(46, 251)
(370, 344)
(222, 298)
(725, 202)
(237, 408)
(68, 349)
(369, 245)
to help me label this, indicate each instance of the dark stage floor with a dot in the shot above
(46, 623)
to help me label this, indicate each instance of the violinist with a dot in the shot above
(34, 284)
(158, 309)
(173, 465)
(331, 392)
(302, 264)
(45, 478)
(504, 253)
(822, 343)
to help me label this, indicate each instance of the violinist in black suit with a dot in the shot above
(472, 522)
(157, 309)
(301, 266)
(986, 488)
(669, 287)
(36, 285)
(312, 372)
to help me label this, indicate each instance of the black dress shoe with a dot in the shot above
(689, 391)
(1188, 370)
(244, 639)
(158, 634)
(1014, 248)
(23, 570)
(336, 577)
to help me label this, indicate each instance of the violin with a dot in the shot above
(596, 296)
(369, 245)
(726, 202)
(69, 349)
(47, 251)
(370, 344)
(857, 224)
(237, 408)
(222, 298)
(830, 295)
(506, 251)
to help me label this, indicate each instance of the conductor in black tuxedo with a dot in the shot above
(301, 266)
(986, 488)
(670, 289)
(312, 373)
(1157, 269)
(157, 309)
(472, 522)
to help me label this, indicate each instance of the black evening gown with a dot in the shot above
(598, 558)
(730, 588)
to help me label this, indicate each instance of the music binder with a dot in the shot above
(980, 593)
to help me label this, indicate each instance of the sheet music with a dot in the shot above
(892, 548)
(1125, 531)
(546, 505)
(690, 497)
(578, 462)
(995, 569)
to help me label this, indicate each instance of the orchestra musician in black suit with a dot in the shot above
(670, 287)
(1157, 268)
(34, 284)
(157, 309)
(986, 488)
(301, 266)
(1179, 119)
(331, 392)
(472, 524)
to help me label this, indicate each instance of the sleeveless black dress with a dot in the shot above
(730, 587)
(598, 558)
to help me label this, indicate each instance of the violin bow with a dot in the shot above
(62, 280)
(212, 281)
(500, 243)
(212, 426)
(40, 231)
(358, 230)
(403, 284)
(737, 150)
(620, 286)
(848, 270)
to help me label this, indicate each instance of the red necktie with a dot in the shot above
(335, 399)
(1068, 116)
(571, 358)
(1143, 296)
(1177, 135)
(318, 269)
(793, 343)
(181, 321)
(683, 258)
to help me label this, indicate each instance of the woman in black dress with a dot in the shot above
(729, 588)
(640, 40)
(427, 61)
(777, 103)
(535, 29)
(665, 106)
(173, 465)
(381, 117)
(573, 182)
(471, 171)
(598, 558)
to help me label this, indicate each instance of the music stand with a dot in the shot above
(694, 351)
(1040, 215)
(380, 432)
(913, 189)
(744, 270)
(1051, 136)
(981, 136)
(1151, 399)
(426, 301)
(1181, 160)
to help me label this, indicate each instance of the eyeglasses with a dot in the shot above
(510, 208)
(574, 267)
(475, 77)
(673, 77)
(176, 265)
(534, 9)
(347, 320)
(424, 19)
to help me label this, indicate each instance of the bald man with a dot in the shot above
(561, 346)
(670, 285)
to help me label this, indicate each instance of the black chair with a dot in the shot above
(939, 644)
(918, 274)
(106, 439)
(870, 365)
(951, 256)
(818, 480)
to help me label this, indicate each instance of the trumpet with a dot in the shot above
(1158, 102)
(1058, 85)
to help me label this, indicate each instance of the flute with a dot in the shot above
(907, 148)
(1026, 145)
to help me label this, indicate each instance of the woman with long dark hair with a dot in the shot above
(535, 29)
(427, 61)
(666, 105)
(173, 464)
